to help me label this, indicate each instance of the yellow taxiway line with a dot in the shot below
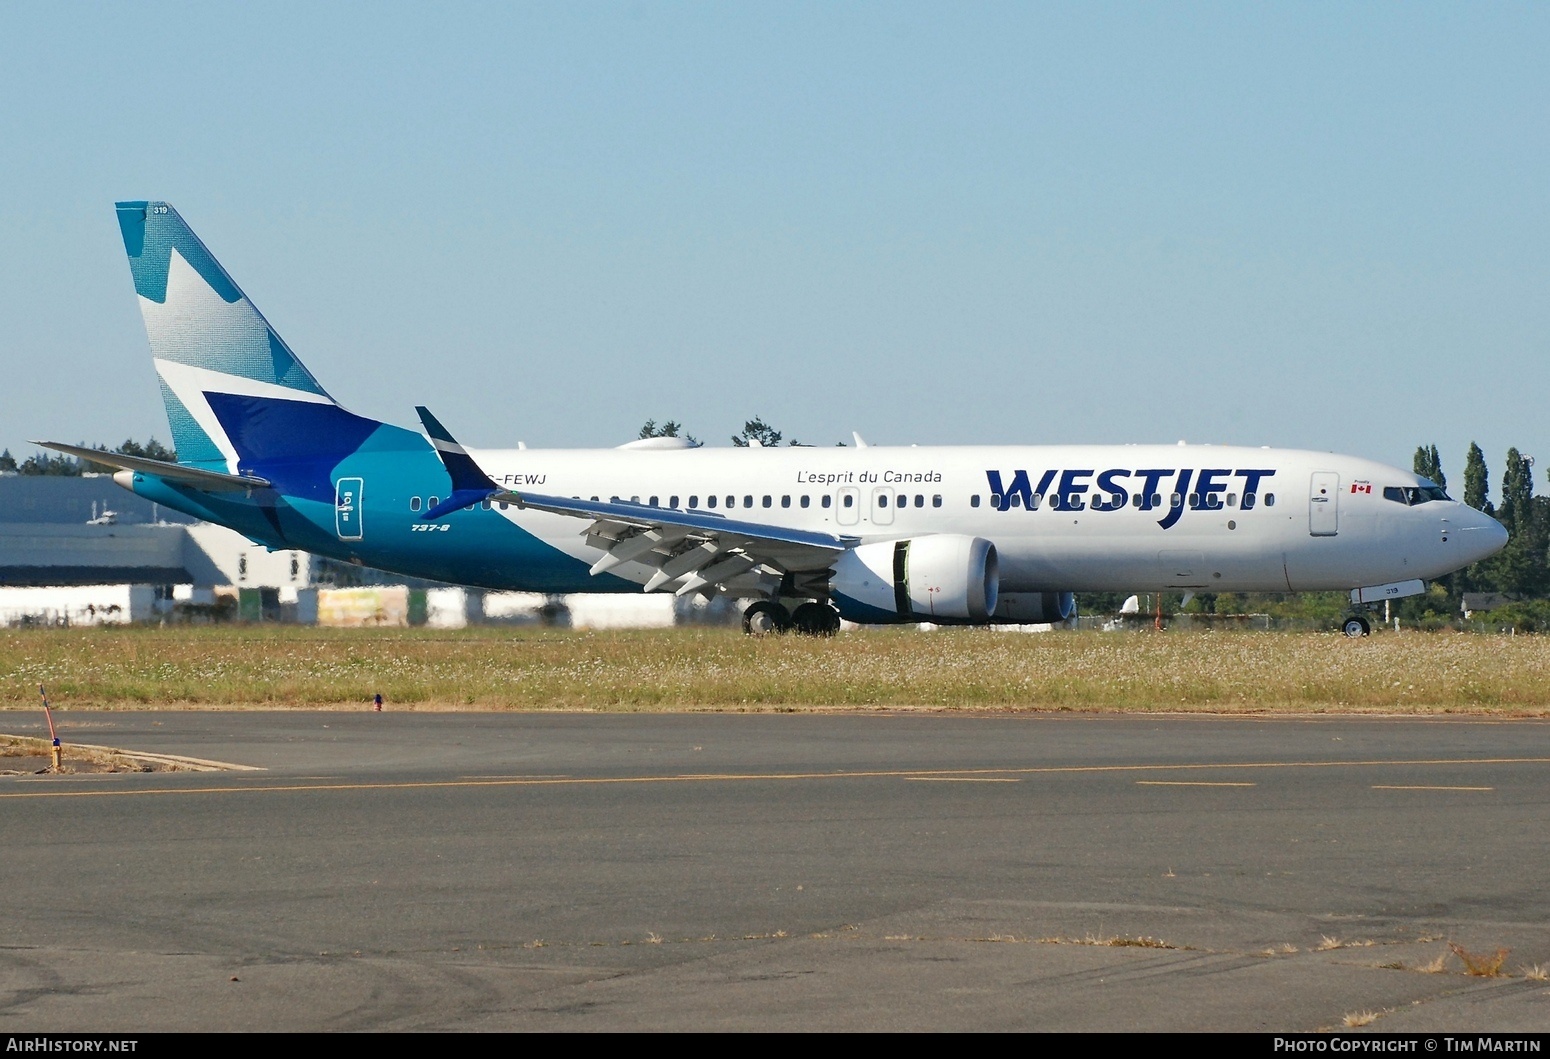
(1190, 783)
(757, 777)
(1418, 787)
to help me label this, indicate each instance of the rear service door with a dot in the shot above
(347, 508)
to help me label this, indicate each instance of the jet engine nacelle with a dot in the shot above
(1035, 608)
(943, 577)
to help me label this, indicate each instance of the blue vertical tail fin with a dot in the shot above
(226, 377)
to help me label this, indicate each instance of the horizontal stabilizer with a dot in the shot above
(215, 481)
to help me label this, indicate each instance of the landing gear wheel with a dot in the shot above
(765, 619)
(1355, 626)
(816, 619)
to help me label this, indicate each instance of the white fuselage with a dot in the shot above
(1062, 518)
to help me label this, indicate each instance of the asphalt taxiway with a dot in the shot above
(786, 871)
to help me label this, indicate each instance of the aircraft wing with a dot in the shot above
(691, 551)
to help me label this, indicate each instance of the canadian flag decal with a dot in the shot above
(1361, 487)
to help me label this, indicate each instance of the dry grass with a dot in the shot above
(1134, 943)
(1327, 943)
(1354, 1019)
(1116, 941)
(1535, 972)
(35, 753)
(1480, 965)
(236, 667)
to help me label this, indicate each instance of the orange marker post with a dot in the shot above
(56, 751)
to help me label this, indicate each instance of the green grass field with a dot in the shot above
(277, 667)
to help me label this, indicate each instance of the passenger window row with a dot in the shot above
(1099, 502)
(904, 500)
(714, 502)
(1106, 501)
(431, 502)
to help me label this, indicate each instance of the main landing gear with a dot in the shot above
(766, 617)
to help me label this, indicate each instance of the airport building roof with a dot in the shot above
(65, 500)
(59, 531)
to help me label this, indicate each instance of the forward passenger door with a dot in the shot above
(1324, 504)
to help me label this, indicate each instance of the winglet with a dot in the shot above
(470, 485)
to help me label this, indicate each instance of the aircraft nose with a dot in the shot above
(1480, 536)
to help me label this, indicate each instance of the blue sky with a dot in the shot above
(1311, 225)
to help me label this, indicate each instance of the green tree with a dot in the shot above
(151, 450)
(1477, 481)
(1435, 608)
(44, 465)
(7, 461)
(62, 466)
(669, 429)
(1516, 510)
(758, 430)
(1520, 569)
(1528, 616)
(1428, 464)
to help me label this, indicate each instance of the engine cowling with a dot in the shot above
(1035, 608)
(944, 577)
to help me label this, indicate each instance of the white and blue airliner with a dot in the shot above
(806, 536)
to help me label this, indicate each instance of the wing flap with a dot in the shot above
(691, 551)
(645, 517)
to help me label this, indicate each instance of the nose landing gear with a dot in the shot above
(1356, 625)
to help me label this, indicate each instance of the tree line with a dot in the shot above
(1521, 570)
(52, 465)
(755, 432)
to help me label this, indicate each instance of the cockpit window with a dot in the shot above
(1411, 495)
